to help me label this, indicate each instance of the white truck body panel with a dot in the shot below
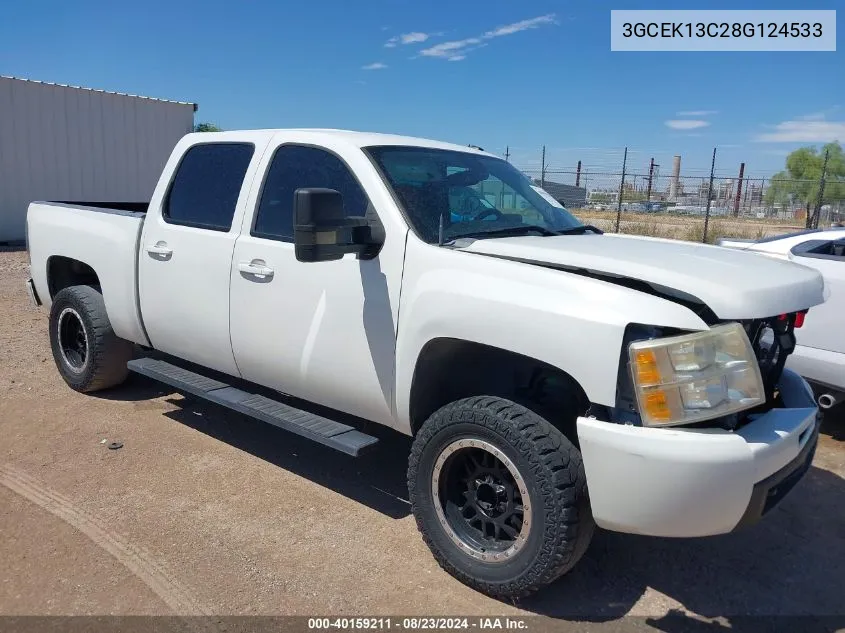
(106, 241)
(191, 286)
(327, 322)
(348, 333)
(536, 312)
(734, 285)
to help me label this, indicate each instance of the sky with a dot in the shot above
(494, 73)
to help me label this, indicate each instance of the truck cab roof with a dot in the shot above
(355, 138)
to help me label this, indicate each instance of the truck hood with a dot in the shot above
(733, 284)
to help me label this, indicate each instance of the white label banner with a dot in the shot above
(727, 30)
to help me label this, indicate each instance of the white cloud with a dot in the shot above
(415, 37)
(374, 66)
(697, 112)
(457, 49)
(522, 25)
(450, 49)
(809, 129)
(686, 124)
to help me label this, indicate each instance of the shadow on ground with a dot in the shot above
(136, 389)
(376, 480)
(790, 564)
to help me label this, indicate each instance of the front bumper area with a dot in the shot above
(687, 482)
(769, 492)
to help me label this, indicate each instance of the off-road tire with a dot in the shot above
(107, 355)
(550, 465)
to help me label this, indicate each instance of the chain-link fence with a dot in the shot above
(697, 208)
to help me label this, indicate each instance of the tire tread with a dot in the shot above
(558, 467)
(110, 353)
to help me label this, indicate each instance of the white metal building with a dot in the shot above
(61, 142)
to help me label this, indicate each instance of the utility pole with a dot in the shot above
(650, 180)
(621, 189)
(739, 190)
(578, 175)
(543, 169)
(818, 209)
(709, 196)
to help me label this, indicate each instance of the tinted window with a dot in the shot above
(296, 167)
(467, 193)
(821, 249)
(205, 190)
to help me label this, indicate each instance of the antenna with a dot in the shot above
(440, 232)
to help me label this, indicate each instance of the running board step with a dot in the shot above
(329, 432)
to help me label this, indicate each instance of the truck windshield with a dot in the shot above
(470, 194)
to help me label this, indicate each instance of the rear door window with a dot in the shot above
(205, 189)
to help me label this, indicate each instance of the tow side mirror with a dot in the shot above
(322, 233)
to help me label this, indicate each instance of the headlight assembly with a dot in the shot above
(694, 377)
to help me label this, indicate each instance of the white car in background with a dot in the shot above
(819, 355)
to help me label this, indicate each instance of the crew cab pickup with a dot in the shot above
(553, 378)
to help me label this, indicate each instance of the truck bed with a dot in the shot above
(106, 238)
(105, 207)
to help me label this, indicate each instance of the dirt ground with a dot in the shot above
(207, 512)
(686, 227)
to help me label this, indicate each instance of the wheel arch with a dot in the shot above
(119, 293)
(63, 272)
(449, 369)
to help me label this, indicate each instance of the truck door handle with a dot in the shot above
(256, 267)
(160, 249)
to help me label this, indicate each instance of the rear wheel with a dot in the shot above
(88, 354)
(499, 496)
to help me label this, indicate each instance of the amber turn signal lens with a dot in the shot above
(657, 407)
(647, 371)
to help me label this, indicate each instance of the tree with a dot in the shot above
(802, 177)
(207, 127)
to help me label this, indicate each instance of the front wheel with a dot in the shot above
(499, 495)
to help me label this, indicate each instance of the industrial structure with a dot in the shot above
(675, 181)
(60, 142)
(567, 195)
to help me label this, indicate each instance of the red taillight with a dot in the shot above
(799, 318)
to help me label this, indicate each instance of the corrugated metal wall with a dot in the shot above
(66, 143)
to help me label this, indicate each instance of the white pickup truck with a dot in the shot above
(553, 378)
